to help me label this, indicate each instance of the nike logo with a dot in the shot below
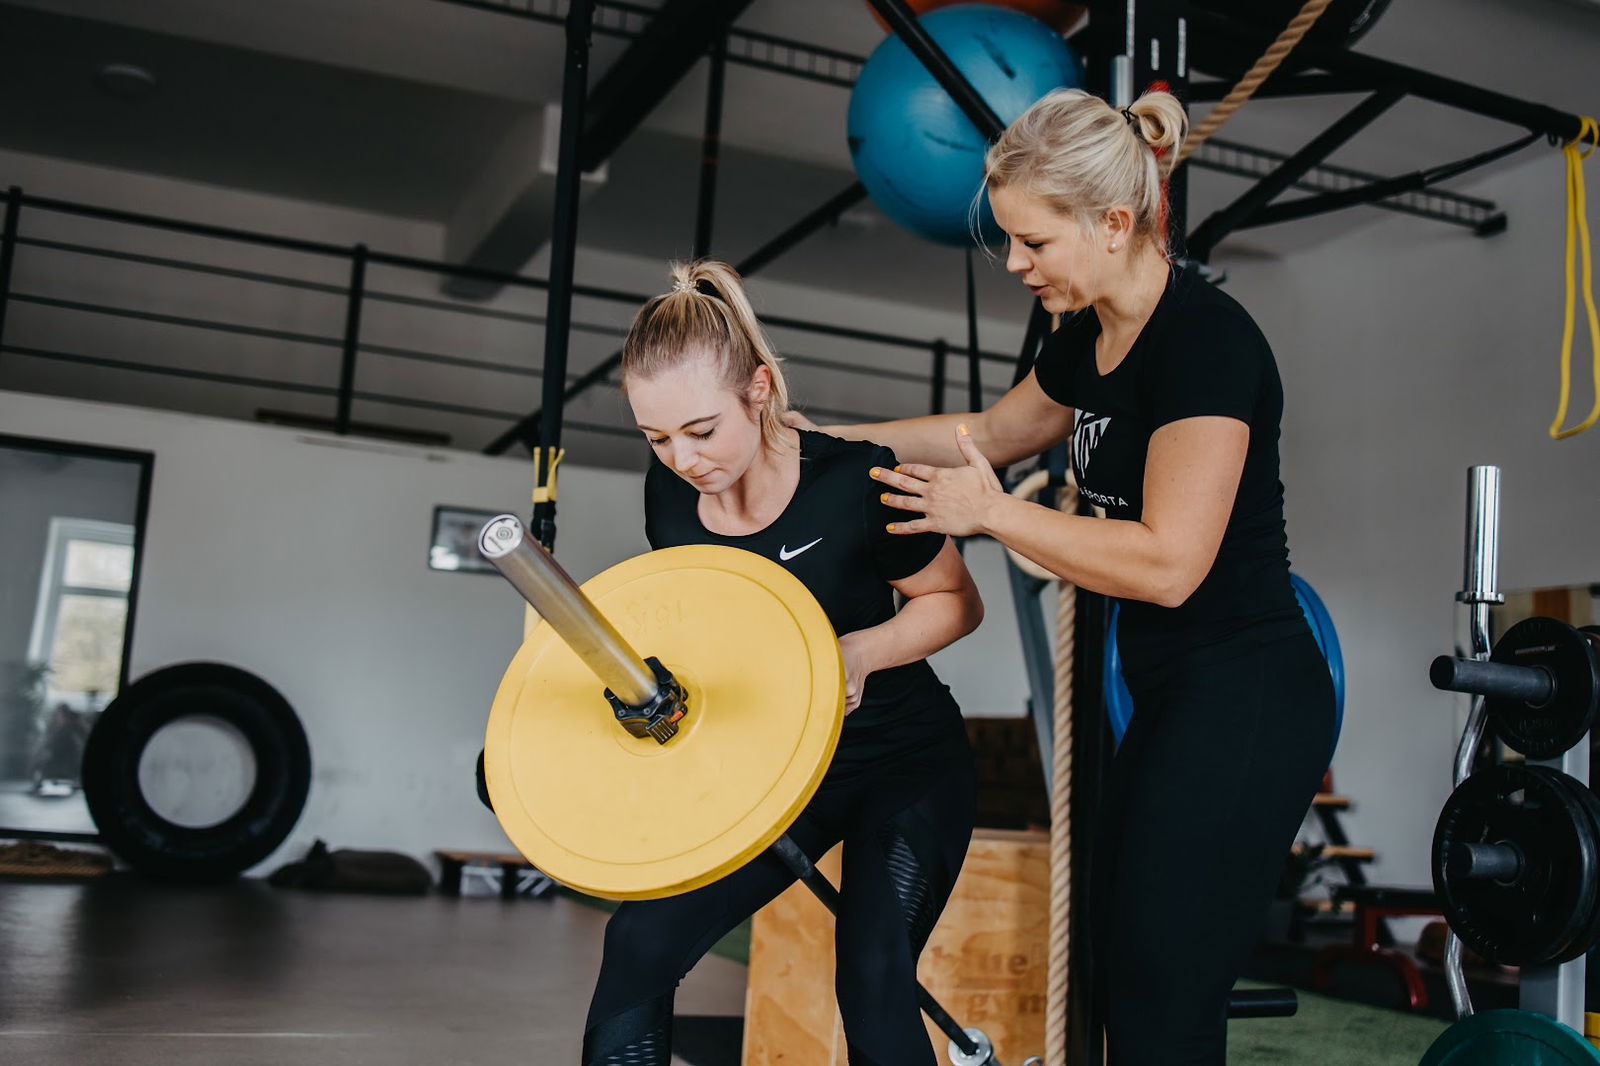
(785, 554)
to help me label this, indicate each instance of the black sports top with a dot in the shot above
(1199, 354)
(832, 536)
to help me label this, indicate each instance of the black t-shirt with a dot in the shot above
(1199, 354)
(832, 537)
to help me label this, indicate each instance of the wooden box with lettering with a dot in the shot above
(986, 961)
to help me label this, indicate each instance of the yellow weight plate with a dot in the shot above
(624, 817)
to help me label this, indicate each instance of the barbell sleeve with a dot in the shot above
(1497, 862)
(504, 541)
(1480, 580)
(1532, 685)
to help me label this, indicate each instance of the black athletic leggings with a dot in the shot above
(1205, 796)
(901, 799)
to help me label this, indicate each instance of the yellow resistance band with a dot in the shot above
(1577, 150)
(544, 477)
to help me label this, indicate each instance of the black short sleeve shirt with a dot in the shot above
(1199, 354)
(833, 537)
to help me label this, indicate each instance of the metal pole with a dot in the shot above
(941, 360)
(1220, 223)
(352, 338)
(904, 24)
(8, 251)
(563, 251)
(710, 148)
(560, 602)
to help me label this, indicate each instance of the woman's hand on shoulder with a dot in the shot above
(796, 420)
(952, 500)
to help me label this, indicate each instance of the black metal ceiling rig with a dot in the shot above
(781, 55)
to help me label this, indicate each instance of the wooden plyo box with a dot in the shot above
(986, 961)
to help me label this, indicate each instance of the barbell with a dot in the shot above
(689, 763)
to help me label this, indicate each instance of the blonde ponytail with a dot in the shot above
(707, 312)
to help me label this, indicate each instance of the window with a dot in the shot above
(82, 611)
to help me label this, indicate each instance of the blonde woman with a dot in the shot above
(1171, 400)
(709, 395)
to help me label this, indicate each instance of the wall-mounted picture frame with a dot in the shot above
(454, 545)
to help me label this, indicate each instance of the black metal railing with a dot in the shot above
(358, 293)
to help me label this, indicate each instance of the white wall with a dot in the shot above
(1409, 351)
(303, 558)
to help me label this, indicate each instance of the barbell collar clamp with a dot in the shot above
(660, 716)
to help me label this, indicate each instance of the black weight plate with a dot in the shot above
(1589, 933)
(1544, 732)
(1507, 1037)
(1539, 916)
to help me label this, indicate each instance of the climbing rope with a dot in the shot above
(1298, 27)
(1055, 1042)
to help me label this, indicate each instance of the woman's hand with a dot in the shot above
(953, 500)
(796, 420)
(856, 670)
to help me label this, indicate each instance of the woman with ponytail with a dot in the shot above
(708, 393)
(1170, 398)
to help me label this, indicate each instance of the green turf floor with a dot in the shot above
(1331, 1032)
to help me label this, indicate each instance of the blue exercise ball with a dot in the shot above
(914, 149)
(1119, 701)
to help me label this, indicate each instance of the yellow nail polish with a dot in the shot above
(897, 470)
(890, 527)
(962, 429)
(875, 471)
(884, 498)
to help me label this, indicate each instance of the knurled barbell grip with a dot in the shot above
(1530, 684)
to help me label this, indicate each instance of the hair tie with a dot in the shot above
(1133, 120)
(684, 285)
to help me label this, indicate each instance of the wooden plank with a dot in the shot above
(986, 961)
(1342, 851)
(789, 1014)
(485, 858)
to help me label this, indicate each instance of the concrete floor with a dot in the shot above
(129, 971)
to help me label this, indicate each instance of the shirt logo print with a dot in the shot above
(785, 554)
(1087, 429)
